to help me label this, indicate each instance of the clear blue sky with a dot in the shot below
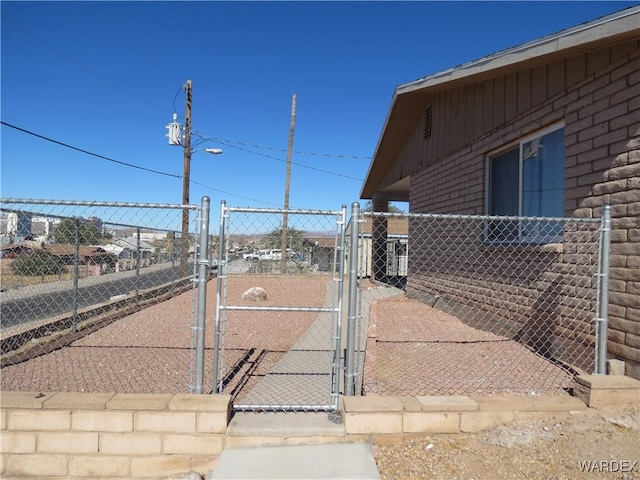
(105, 77)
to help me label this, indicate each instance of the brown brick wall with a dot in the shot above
(602, 119)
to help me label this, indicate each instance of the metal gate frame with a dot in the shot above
(335, 309)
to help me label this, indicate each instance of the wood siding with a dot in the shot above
(462, 115)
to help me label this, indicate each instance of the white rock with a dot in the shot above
(255, 294)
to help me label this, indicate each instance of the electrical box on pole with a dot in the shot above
(175, 131)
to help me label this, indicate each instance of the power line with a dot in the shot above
(84, 67)
(88, 152)
(331, 155)
(125, 163)
(223, 142)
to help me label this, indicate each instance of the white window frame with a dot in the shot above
(521, 237)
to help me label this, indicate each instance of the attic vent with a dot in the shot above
(427, 124)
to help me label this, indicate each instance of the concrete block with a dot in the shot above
(76, 401)
(98, 466)
(18, 442)
(357, 423)
(373, 404)
(200, 403)
(192, 444)
(3, 419)
(473, 422)
(599, 390)
(203, 463)
(431, 422)
(130, 443)
(615, 367)
(447, 404)
(211, 422)
(529, 403)
(23, 399)
(38, 420)
(36, 465)
(183, 422)
(102, 421)
(135, 401)
(160, 466)
(258, 441)
(67, 442)
(410, 404)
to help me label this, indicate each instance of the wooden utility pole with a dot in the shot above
(184, 242)
(285, 217)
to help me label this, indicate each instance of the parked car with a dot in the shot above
(264, 254)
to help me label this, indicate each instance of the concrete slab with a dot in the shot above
(293, 424)
(330, 461)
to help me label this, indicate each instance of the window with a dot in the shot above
(527, 180)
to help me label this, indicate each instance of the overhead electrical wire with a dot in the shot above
(84, 67)
(87, 152)
(66, 145)
(229, 143)
(222, 142)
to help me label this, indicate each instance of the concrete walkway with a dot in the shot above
(301, 377)
(330, 461)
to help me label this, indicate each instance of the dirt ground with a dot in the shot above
(596, 444)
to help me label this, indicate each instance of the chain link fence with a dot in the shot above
(482, 304)
(278, 317)
(112, 297)
(96, 296)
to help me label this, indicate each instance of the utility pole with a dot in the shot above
(285, 217)
(184, 242)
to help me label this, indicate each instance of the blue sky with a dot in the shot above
(105, 77)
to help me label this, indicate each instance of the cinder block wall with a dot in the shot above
(602, 126)
(74, 435)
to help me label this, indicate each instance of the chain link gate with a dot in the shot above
(279, 308)
(97, 296)
(480, 304)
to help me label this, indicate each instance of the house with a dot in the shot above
(319, 251)
(396, 231)
(459, 141)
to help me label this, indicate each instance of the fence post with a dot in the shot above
(335, 386)
(216, 335)
(203, 274)
(349, 384)
(602, 318)
(76, 274)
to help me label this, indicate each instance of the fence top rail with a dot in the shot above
(87, 203)
(282, 211)
(445, 216)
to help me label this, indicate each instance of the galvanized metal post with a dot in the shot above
(217, 388)
(203, 275)
(76, 274)
(349, 384)
(602, 307)
(335, 387)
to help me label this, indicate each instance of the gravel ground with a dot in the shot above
(149, 351)
(590, 445)
(413, 349)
